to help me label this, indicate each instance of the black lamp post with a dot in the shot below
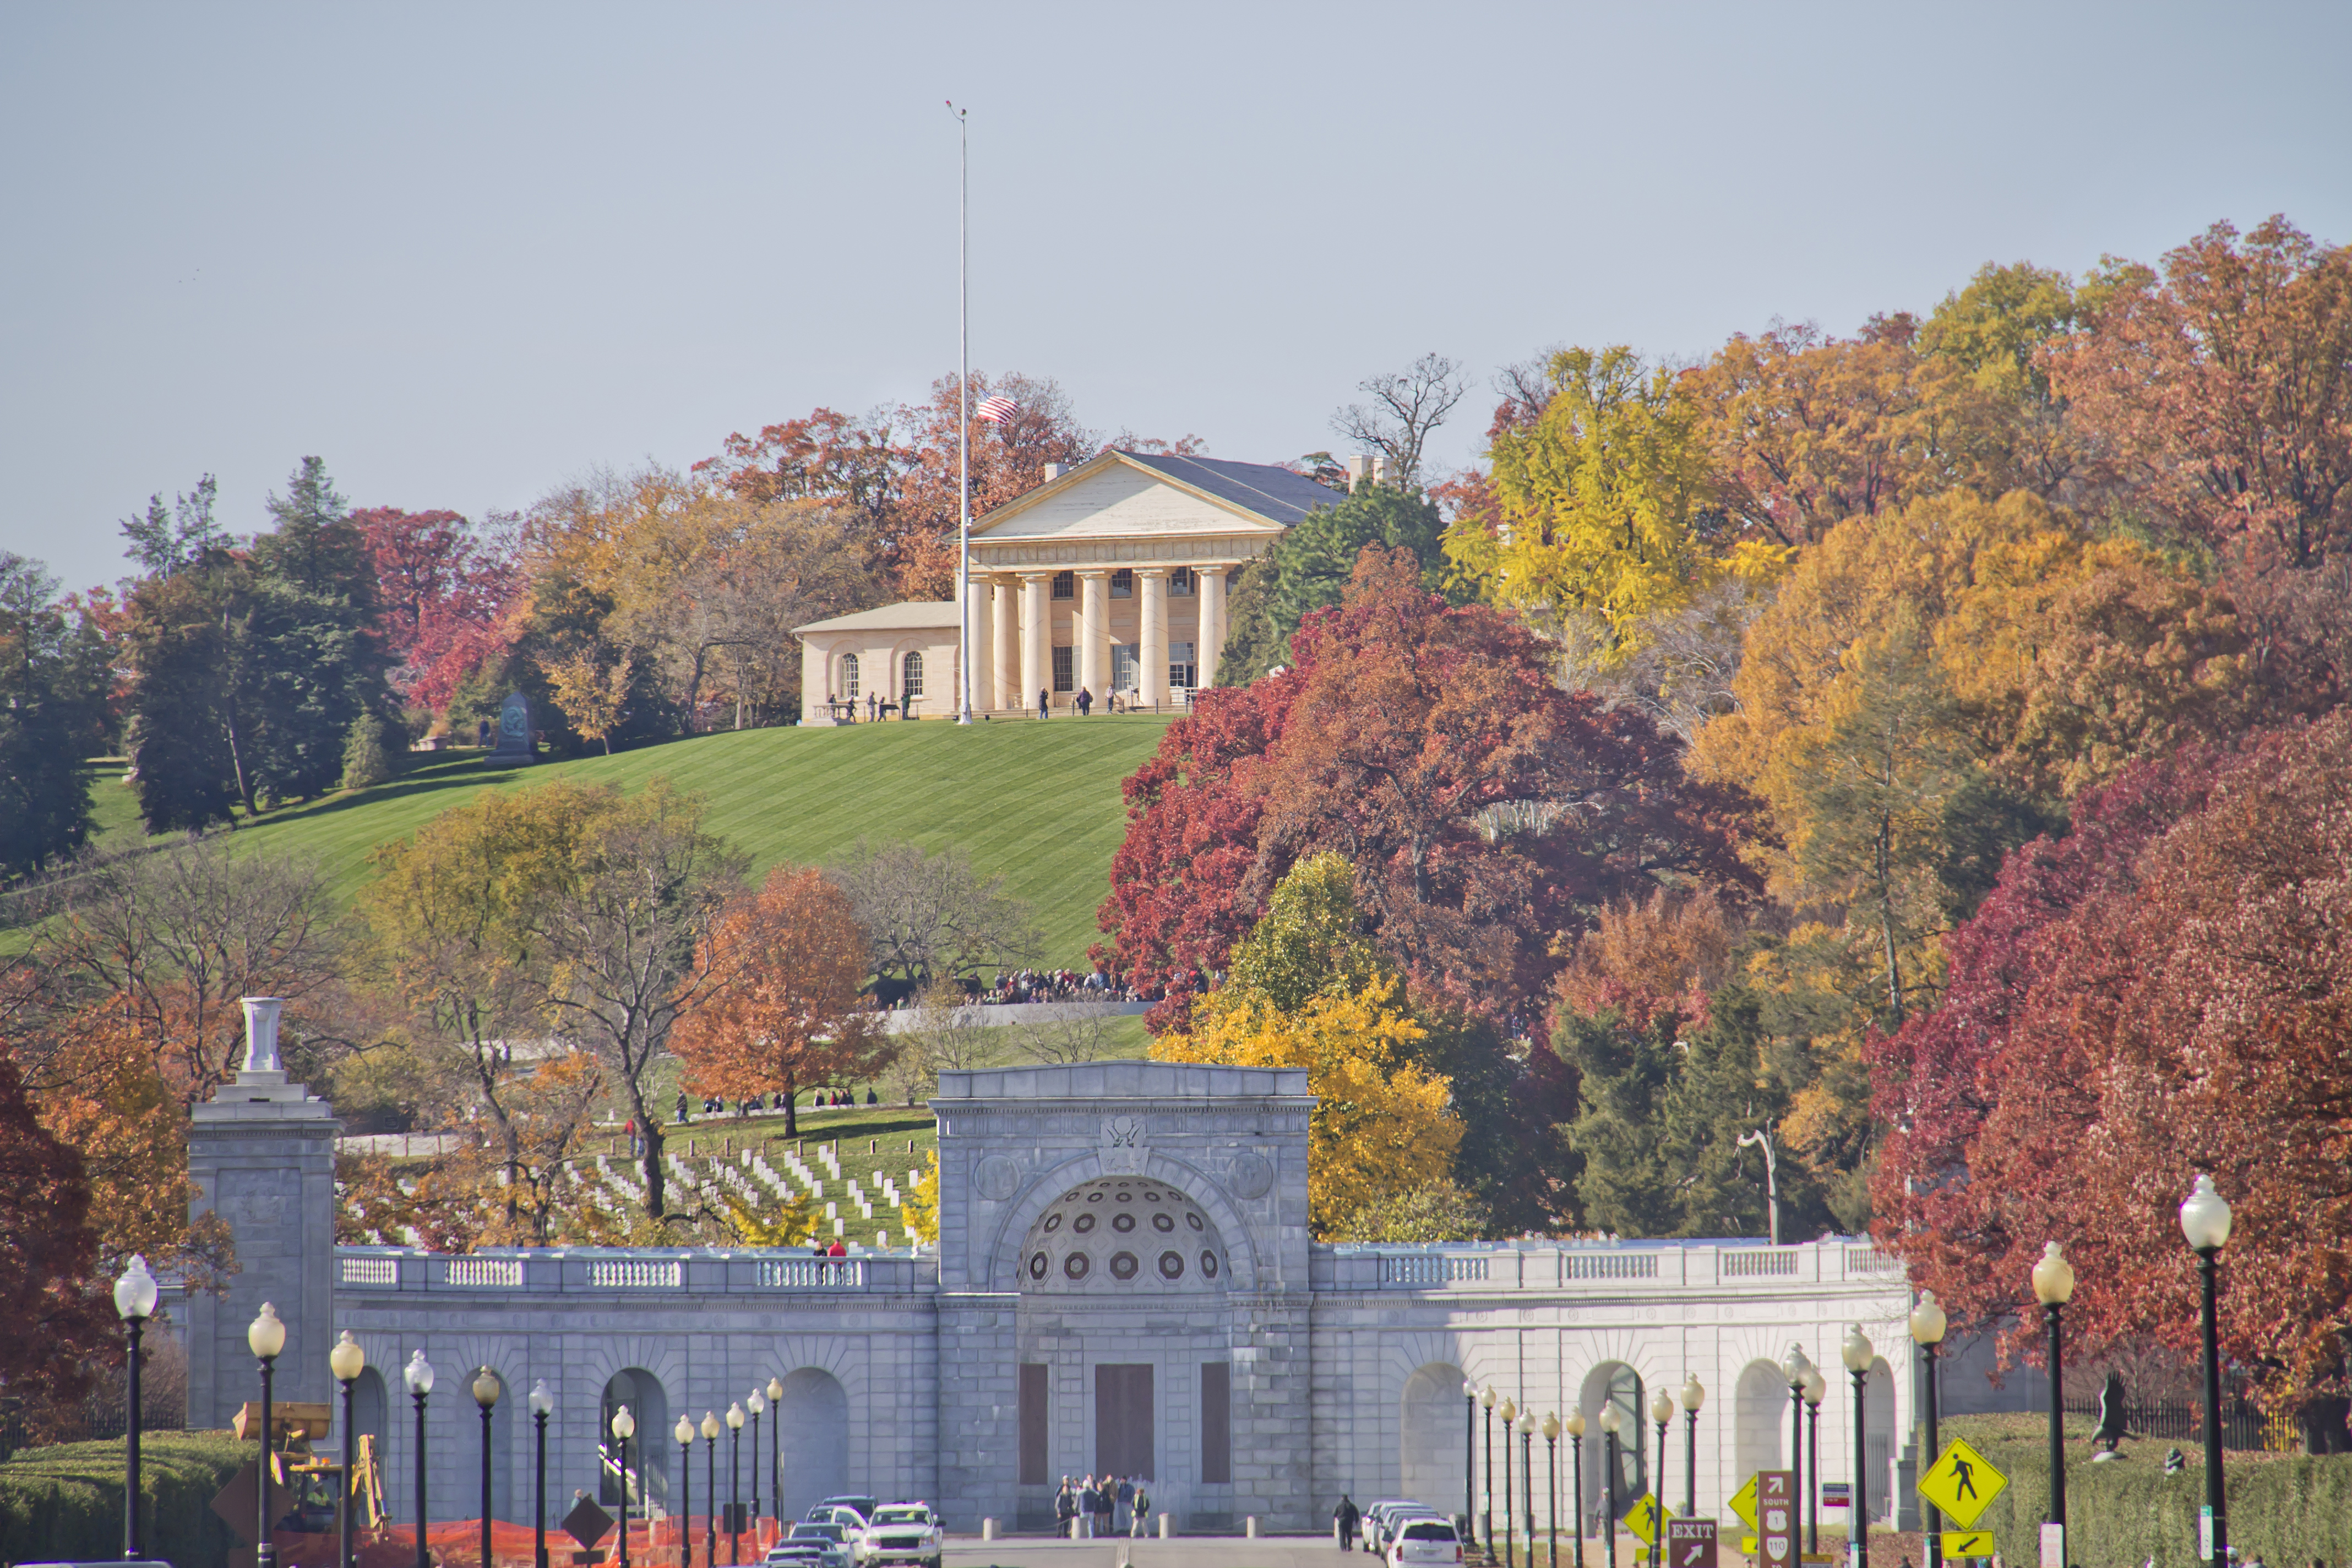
(1551, 1489)
(2054, 1286)
(347, 1361)
(542, 1406)
(624, 1426)
(418, 1376)
(1927, 1326)
(1662, 1411)
(776, 1453)
(1817, 1388)
(1528, 1479)
(755, 1404)
(1694, 1396)
(2205, 1221)
(735, 1483)
(486, 1395)
(1510, 1536)
(711, 1487)
(1612, 1421)
(684, 1433)
(266, 1338)
(134, 1301)
(1487, 1492)
(1574, 1426)
(1858, 1353)
(1470, 1460)
(1794, 1366)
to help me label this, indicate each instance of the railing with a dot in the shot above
(1870, 1260)
(1430, 1268)
(2243, 1427)
(1610, 1264)
(803, 1273)
(636, 1273)
(1759, 1265)
(505, 1272)
(371, 1272)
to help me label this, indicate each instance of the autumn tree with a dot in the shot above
(59, 1325)
(447, 591)
(931, 917)
(791, 1014)
(1308, 569)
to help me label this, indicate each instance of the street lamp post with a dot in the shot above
(134, 1302)
(1927, 1326)
(684, 1433)
(1694, 1396)
(266, 1338)
(1793, 1367)
(624, 1426)
(347, 1361)
(734, 1483)
(756, 1403)
(1470, 1460)
(1574, 1427)
(1510, 1537)
(418, 1376)
(1662, 1411)
(1612, 1421)
(2054, 1286)
(711, 1487)
(486, 1395)
(1817, 1388)
(1487, 1515)
(1551, 1487)
(776, 1453)
(542, 1406)
(1527, 1481)
(1858, 1353)
(2205, 1222)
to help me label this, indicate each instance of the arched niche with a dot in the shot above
(812, 1418)
(1759, 1413)
(1429, 1455)
(1615, 1383)
(648, 1450)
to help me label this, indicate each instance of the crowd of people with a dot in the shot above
(755, 1104)
(1097, 1505)
(1059, 986)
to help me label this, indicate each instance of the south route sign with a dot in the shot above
(1776, 1517)
(1962, 1483)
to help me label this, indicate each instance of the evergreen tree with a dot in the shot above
(1308, 568)
(187, 746)
(45, 721)
(316, 664)
(365, 761)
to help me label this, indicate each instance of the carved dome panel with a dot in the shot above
(1123, 1235)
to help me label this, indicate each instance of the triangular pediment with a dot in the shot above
(1116, 497)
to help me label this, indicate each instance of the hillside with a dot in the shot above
(1036, 802)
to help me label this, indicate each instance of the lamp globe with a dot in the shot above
(1508, 1412)
(2053, 1277)
(1856, 1350)
(1662, 1407)
(1793, 1365)
(486, 1388)
(135, 1292)
(1927, 1321)
(266, 1336)
(711, 1426)
(683, 1431)
(757, 1403)
(542, 1401)
(1486, 1396)
(2204, 1219)
(1574, 1424)
(735, 1417)
(418, 1374)
(1693, 1393)
(775, 1392)
(1551, 1427)
(1527, 1421)
(1612, 1420)
(347, 1361)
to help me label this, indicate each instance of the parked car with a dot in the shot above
(813, 1546)
(864, 1505)
(1369, 1526)
(903, 1532)
(847, 1514)
(1421, 1540)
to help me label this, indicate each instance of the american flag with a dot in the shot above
(996, 410)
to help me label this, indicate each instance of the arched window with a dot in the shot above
(911, 682)
(848, 676)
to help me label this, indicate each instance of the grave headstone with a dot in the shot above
(514, 738)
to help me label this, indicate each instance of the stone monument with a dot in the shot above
(261, 1155)
(514, 738)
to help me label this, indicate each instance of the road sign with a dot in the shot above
(1642, 1517)
(1836, 1494)
(2053, 1546)
(587, 1523)
(1962, 1483)
(1747, 1544)
(1968, 1544)
(1743, 1503)
(1775, 1511)
(1690, 1544)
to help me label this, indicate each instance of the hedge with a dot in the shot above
(2285, 1509)
(64, 1503)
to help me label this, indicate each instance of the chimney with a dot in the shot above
(1380, 469)
(1359, 468)
(1052, 472)
(261, 1038)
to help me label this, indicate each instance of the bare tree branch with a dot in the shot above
(1406, 409)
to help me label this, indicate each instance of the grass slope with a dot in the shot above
(1035, 802)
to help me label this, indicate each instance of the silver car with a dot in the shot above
(902, 1532)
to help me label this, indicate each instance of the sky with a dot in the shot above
(467, 253)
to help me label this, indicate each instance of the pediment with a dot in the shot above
(1110, 498)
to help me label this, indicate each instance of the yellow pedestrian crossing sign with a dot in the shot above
(1743, 1502)
(1643, 1517)
(1962, 1483)
(1960, 1543)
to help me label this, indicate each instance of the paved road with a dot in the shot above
(1210, 1551)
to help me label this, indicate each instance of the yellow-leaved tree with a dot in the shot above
(1305, 990)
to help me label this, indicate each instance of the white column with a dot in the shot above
(1209, 583)
(982, 643)
(1005, 620)
(1151, 581)
(1094, 632)
(1036, 649)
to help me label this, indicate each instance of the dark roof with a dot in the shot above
(1277, 494)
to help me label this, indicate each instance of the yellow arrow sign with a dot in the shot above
(1962, 1482)
(1968, 1544)
(1642, 1518)
(1743, 1503)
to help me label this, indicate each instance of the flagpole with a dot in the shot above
(963, 419)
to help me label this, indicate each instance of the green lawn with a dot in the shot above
(1035, 802)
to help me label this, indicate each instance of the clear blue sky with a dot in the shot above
(464, 252)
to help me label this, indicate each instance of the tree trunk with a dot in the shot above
(1886, 921)
(791, 1108)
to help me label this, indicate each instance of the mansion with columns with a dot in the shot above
(1109, 578)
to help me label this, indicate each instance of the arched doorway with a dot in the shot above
(642, 1392)
(1429, 1436)
(813, 1417)
(1615, 1383)
(1759, 1409)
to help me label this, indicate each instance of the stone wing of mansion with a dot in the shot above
(1109, 578)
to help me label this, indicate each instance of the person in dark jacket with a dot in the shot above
(1347, 1517)
(1045, 701)
(1065, 1512)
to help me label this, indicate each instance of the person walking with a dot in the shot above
(1065, 1512)
(1143, 1511)
(1086, 702)
(1045, 701)
(1347, 1517)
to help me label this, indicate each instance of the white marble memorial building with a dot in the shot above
(1108, 578)
(1124, 1282)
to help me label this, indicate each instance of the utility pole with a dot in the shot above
(964, 418)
